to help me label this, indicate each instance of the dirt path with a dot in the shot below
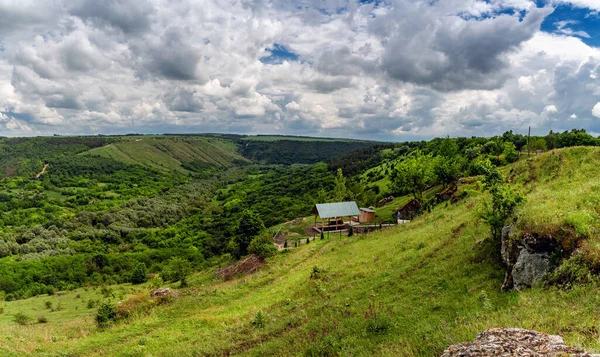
(42, 172)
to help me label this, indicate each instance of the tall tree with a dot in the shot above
(340, 191)
(249, 226)
(414, 175)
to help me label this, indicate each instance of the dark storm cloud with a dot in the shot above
(449, 53)
(171, 55)
(130, 16)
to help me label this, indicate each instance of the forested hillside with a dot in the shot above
(111, 218)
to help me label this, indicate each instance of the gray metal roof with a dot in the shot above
(367, 210)
(337, 209)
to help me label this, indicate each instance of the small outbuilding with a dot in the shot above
(409, 211)
(366, 215)
(334, 214)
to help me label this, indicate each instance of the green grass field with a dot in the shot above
(167, 154)
(408, 291)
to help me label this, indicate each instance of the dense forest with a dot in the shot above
(94, 216)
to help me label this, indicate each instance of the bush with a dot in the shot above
(1, 310)
(177, 270)
(42, 319)
(316, 272)
(91, 303)
(22, 319)
(380, 324)
(502, 206)
(106, 314)
(262, 246)
(48, 304)
(259, 320)
(140, 274)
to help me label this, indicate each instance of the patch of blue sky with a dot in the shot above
(279, 54)
(573, 21)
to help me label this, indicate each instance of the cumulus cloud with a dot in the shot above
(391, 70)
(596, 110)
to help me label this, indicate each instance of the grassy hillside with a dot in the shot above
(408, 291)
(172, 153)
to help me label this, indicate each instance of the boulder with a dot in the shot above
(384, 201)
(527, 259)
(508, 342)
(530, 269)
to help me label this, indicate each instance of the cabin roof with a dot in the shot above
(336, 209)
(367, 210)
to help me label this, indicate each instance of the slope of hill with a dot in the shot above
(409, 291)
(288, 151)
(26, 156)
(172, 153)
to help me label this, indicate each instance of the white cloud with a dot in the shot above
(397, 70)
(596, 110)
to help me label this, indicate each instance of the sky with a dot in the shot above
(389, 70)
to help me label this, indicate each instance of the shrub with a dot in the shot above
(139, 274)
(22, 319)
(177, 270)
(259, 320)
(91, 303)
(316, 272)
(106, 314)
(48, 304)
(502, 206)
(1, 310)
(107, 292)
(156, 282)
(262, 246)
(42, 319)
(380, 324)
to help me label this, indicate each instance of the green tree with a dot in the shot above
(510, 152)
(537, 144)
(414, 175)
(500, 208)
(140, 274)
(447, 170)
(177, 270)
(340, 191)
(249, 226)
(263, 246)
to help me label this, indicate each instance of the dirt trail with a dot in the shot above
(42, 172)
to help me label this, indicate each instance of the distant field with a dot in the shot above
(170, 153)
(294, 138)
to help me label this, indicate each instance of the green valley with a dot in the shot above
(84, 247)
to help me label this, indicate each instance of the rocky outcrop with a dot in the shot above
(384, 201)
(248, 265)
(527, 259)
(508, 342)
(447, 193)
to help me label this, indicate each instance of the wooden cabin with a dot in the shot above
(366, 215)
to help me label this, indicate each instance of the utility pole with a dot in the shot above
(528, 141)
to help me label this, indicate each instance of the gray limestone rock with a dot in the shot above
(509, 342)
(530, 269)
